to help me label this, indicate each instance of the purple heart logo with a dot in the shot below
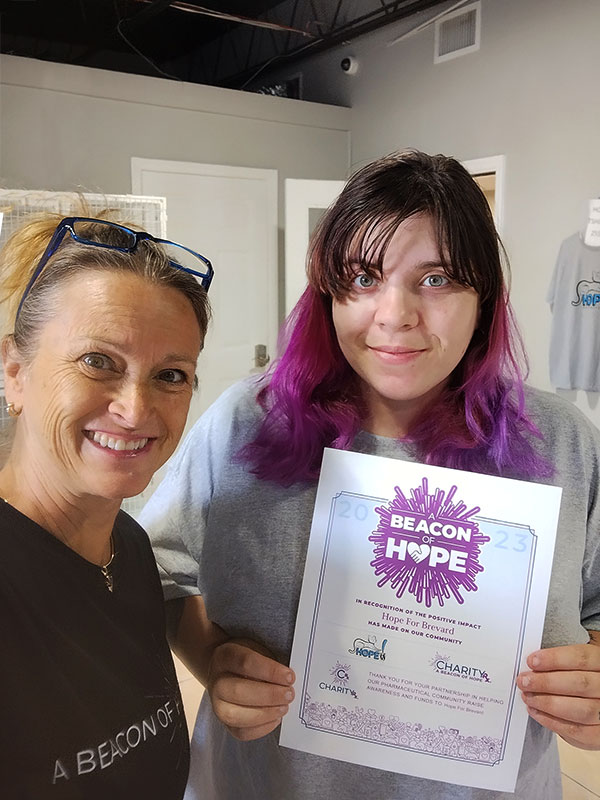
(428, 545)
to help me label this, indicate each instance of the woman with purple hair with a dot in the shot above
(403, 345)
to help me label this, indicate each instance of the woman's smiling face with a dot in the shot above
(106, 395)
(404, 334)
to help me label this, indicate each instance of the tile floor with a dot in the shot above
(580, 768)
(581, 772)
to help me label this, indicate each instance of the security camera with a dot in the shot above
(349, 65)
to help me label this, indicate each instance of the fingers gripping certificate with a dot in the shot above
(424, 591)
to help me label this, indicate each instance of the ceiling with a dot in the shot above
(228, 43)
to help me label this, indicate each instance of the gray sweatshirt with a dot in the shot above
(241, 542)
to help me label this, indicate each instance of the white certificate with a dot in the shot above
(424, 591)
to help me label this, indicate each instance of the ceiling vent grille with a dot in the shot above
(458, 33)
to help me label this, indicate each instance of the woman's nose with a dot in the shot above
(132, 404)
(396, 308)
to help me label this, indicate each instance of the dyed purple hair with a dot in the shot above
(312, 397)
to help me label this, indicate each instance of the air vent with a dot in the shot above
(458, 33)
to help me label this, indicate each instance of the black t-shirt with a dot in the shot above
(90, 707)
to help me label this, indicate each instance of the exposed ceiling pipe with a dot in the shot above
(209, 12)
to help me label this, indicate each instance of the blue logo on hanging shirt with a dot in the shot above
(588, 292)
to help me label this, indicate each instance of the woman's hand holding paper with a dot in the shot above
(250, 691)
(562, 691)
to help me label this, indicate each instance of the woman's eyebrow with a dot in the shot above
(355, 263)
(179, 357)
(425, 265)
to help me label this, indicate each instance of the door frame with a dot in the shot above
(485, 166)
(269, 176)
(302, 194)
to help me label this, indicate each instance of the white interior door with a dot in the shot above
(229, 214)
(305, 201)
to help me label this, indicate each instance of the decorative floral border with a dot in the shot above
(360, 723)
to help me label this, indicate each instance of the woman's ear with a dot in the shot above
(14, 371)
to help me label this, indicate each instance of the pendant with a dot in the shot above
(107, 578)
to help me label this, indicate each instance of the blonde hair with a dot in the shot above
(18, 259)
(24, 249)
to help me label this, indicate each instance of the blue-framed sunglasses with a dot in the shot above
(111, 236)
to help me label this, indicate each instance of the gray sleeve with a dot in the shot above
(177, 515)
(590, 601)
(571, 443)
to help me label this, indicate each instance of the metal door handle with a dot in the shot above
(261, 357)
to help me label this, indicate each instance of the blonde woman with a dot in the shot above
(107, 325)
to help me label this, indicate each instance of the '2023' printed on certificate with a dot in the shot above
(424, 591)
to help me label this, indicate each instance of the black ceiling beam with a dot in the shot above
(147, 12)
(128, 24)
(389, 13)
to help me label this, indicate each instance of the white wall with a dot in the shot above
(75, 128)
(529, 93)
(65, 128)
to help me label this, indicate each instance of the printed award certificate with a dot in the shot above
(424, 591)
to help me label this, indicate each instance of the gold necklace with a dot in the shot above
(105, 570)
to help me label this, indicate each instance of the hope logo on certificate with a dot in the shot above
(428, 546)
